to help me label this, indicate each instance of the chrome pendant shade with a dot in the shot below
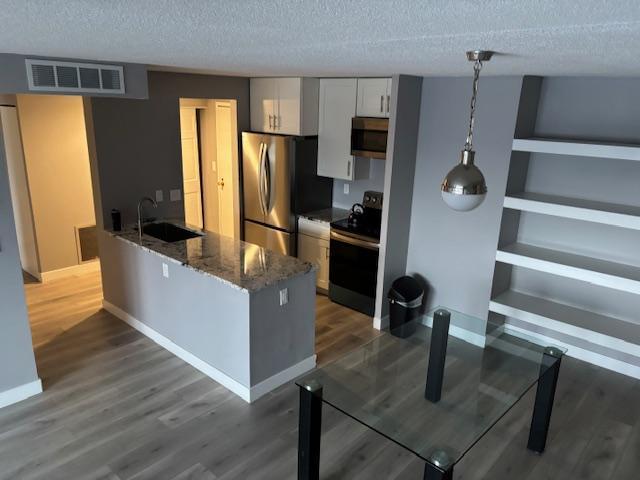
(464, 188)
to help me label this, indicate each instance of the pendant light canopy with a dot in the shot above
(464, 187)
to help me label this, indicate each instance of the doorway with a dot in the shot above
(50, 185)
(210, 166)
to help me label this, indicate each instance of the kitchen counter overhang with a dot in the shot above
(215, 302)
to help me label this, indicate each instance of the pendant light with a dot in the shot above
(464, 188)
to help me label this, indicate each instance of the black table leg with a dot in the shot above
(437, 355)
(309, 431)
(439, 467)
(544, 399)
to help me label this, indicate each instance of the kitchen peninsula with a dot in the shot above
(241, 314)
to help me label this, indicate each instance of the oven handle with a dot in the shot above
(354, 241)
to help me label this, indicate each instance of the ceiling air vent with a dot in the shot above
(71, 77)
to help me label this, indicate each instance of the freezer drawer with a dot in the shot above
(270, 238)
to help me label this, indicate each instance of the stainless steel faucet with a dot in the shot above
(140, 203)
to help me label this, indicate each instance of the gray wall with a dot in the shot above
(138, 142)
(454, 252)
(13, 75)
(398, 187)
(17, 362)
(375, 182)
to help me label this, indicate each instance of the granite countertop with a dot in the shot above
(326, 215)
(239, 264)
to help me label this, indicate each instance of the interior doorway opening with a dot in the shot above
(50, 183)
(210, 165)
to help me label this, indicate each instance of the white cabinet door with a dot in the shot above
(287, 106)
(315, 251)
(373, 97)
(337, 106)
(263, 96)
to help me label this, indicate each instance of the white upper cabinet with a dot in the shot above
(337, 106)
(287, 106)
(374, 97)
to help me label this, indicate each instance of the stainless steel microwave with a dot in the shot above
(369, 137)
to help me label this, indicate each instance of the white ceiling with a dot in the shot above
(334, 37)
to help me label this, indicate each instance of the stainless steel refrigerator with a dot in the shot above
(280, 182)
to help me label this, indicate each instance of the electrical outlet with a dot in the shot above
(346, 189)
(175, 195)
(284, 296)
(159, 196)
(165, 270)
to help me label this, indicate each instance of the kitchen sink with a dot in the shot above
(167, 232)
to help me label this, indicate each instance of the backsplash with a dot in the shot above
(358, 187)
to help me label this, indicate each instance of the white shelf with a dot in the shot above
(579, 148)
(608, 274)
(614, 214)
(593, 327)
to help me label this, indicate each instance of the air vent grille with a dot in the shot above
(43, 75)
(54, 76)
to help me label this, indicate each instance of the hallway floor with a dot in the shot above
(116, 406)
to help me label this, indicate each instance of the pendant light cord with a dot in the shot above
(468, 146)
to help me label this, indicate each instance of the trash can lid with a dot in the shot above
(405, 289)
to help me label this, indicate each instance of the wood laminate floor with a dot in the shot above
(116, 406)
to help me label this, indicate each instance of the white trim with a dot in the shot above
(577, 352)
(281, 378)
(20, 393)
(582, 149)
(462, 333)
(248, 394)
(87, 267)
(381, 323)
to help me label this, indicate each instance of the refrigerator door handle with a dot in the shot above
(267, 180)
(260, 177)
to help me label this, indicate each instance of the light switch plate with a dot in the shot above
(175, 195)
(165, 270)
(284, 296)
(346, 189)
(159, 196)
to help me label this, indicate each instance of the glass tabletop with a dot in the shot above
(382, 385)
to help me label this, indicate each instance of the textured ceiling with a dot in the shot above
(333, 37)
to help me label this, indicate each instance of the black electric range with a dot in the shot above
(353, 261)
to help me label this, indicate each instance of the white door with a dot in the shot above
(373, 97)
(191, 167)
(20, 196)
(263, 101)
(287, 107)
(337, 108)
(224, 160)
(316, 252)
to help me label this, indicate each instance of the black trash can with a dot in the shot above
(405, 299)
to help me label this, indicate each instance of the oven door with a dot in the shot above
(353, 271)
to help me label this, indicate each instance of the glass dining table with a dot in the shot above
(433, 394)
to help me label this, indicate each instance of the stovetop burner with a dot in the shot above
(365, 218)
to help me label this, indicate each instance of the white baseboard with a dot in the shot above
(461, 333)
(577, 352)
(20, 393)
(92, 266)
(248, 394)
(281, 378)
(381, 323)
